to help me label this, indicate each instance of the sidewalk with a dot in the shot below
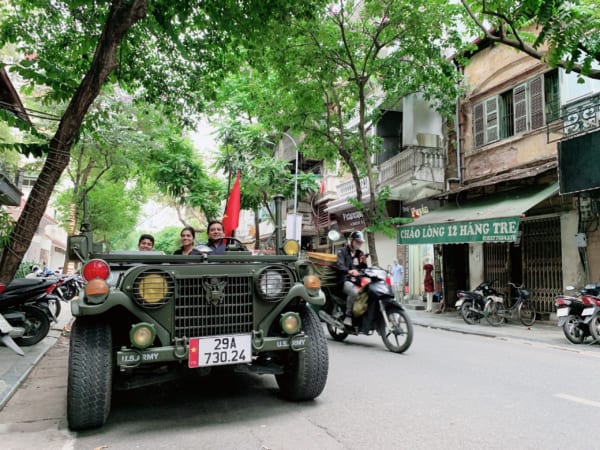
(541, 331)
(14, 369)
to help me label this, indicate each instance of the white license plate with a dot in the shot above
(587, 311)
(219, 350)
(561, 312)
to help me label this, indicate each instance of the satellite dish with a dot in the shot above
(334, 236)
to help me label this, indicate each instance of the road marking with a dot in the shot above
(583, 401)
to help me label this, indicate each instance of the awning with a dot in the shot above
(493, 218)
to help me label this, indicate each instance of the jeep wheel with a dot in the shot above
(306, 371)
(90, 374)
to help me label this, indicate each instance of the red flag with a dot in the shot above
(322, 187)
(193, 355)
(231, 219)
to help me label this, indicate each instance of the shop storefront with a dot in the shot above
(494, 238)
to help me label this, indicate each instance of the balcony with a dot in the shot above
(9, 192)
(345, 191)
(576, 118)
(415, 173)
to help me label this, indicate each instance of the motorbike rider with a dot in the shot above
(348, 261)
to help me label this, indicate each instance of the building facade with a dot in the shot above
(506, 215)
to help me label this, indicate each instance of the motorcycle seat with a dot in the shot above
(21, 283)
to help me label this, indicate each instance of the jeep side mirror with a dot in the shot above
(78, 247)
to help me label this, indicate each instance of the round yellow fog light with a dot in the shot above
(291, 247)
(142, 335)
(290, 323)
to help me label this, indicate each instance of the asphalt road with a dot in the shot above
(449, 390)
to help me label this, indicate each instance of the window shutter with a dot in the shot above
(520, 105)
(536, 96)
(491, 120)
(478, 128)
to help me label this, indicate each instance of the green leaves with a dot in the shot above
(559, 32)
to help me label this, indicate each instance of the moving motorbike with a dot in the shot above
(570, 312)
(375, 309)
(25, 303)
(471, 304)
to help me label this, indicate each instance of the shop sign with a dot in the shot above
(491, 230)
(351, 220)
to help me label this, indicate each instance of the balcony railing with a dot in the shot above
(579, 117)
(413, 163)
(347, 189)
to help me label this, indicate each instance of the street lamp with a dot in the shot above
(295, 182)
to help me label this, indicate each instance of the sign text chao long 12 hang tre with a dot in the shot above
(491, 230)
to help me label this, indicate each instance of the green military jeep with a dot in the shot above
(145, 318)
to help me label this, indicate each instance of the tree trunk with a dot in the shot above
(123, 14)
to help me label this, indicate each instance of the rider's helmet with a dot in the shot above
(357, 236)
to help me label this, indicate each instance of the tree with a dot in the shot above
(329, 79)
(169, 52)
(565, 33)
(247, 147)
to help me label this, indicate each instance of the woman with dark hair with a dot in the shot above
(215, 237)
(188, 236)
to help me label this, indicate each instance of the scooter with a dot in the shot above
(570, 312)
(25, 303)
(471, 304)
(6, 336)
(375, 309)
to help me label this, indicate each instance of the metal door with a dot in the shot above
(542, 261)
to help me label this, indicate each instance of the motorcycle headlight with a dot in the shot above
(153, 288)
(274, 282)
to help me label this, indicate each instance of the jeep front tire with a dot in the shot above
(90, 374)
(306, 371)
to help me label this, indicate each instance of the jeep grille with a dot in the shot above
(213, 305)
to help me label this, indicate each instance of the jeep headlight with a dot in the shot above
(274, 282)
(291, 247)
(153, 288)
(142, 335)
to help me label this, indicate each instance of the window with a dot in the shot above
(527, 106)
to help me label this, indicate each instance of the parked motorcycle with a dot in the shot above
(375, 309)
(6, 336)
(69, 286)
(25, 303)
(471, 304)
(570, 312)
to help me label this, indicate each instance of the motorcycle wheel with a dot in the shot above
(572, 331)
(398, 338)
(493, 313)
(37, 325)
(526, 314)
(595, 327)
(338, 334)
(469, 316)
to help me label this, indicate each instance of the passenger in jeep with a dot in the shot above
(146, 243)
(188, 237)
(215, 237)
